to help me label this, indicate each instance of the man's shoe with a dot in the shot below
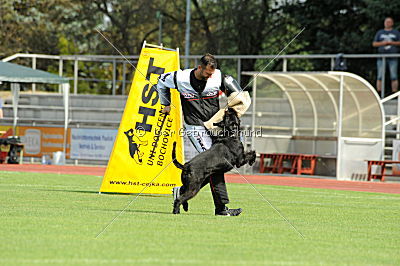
(229, 212)
(176, 192)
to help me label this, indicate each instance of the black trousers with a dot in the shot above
(218, 190)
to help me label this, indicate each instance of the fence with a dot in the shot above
(121, 68)
(123, 65)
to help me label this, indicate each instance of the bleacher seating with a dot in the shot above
(87, 110)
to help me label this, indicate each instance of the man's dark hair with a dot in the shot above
(208, 60)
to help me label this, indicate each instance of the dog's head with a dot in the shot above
(129, 134)
(230, 124)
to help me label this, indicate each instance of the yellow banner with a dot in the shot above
(141, 157)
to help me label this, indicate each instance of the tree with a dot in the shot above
(243, 28)
(342, 27)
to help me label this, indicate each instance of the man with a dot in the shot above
(387, 41)
(199, 92)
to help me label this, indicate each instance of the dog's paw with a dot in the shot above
(176, 209)
(253, 157)
(185, 206)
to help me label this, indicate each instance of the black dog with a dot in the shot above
(225, 153)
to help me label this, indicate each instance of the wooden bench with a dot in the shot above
(304, 169)
(288, 162)
(382, 165)
(273, 166)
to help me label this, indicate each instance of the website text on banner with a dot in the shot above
(143, 147)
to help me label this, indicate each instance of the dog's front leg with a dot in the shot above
(241, 160)
(250, 157)
(244, 158)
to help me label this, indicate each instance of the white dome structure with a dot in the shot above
(332, 114)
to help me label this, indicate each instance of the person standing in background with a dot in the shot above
(387, 41)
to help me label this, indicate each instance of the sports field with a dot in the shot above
(54, 219)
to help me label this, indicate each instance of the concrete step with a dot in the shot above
(75, 113)
(81, 100)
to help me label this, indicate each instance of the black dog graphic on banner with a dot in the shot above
(134, 143)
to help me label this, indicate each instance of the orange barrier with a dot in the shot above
(311, 159)
(288, 162)
(382, 165)
(273, 166)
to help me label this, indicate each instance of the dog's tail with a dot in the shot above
(177, 164)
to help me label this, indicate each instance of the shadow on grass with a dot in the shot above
(106, 193)
(151, 212)
(146, 211)
(125, 194)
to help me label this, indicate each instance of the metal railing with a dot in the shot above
(396, 119)
(86, 58)
(116, 60)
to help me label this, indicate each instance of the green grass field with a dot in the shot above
(54, 219)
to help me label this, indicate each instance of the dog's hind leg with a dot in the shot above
(185, 206)
(184, 180)
(188, 194)
(177, 204)
(182, 200)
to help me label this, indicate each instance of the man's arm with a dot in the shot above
(376, 42)
(237, 99)
(397, 40)
(165, 82)
(382, 43)
(230, 85)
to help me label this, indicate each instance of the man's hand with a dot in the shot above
(382, 43)
(166, 109)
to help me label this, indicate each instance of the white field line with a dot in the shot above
(148, 260)
(46, 186)
(332, 193)
(327, 194)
